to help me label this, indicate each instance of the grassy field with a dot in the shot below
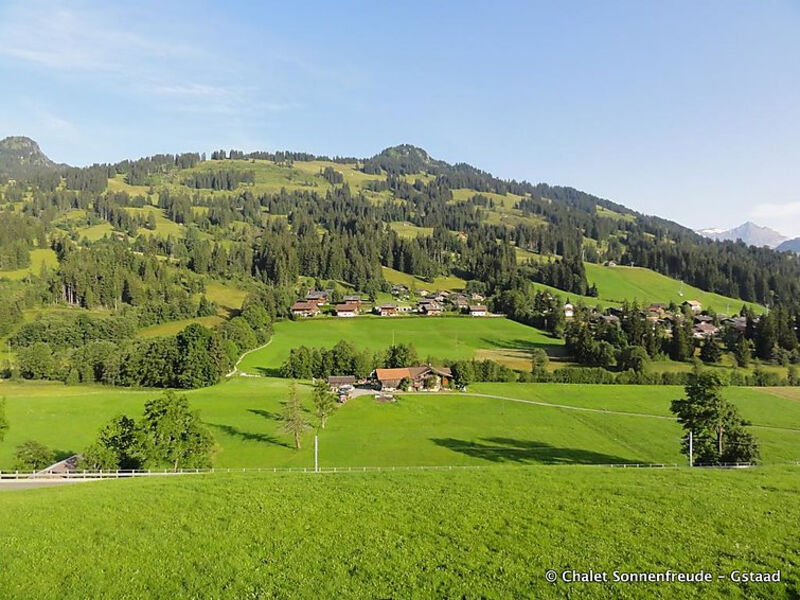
(409, 230)
(440, 337)
(39, 257)
(483, 427)
(459, 534)
(95, 232)
(616, 284)
(439, 283)
(173, 327)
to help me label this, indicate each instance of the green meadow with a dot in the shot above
(438, 337)
(450, 282)
(491, 424)
(40, 258)
(616, 284)
(449, 534)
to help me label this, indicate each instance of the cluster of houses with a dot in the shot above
(704, 326)
(315, 301)
(429, 304)
(425, 377)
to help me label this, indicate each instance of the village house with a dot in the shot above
(693, 305)
(703, 331)
(317, 297)
(738, 324)
(459, 301)
(429, 308)
(569, 310)
(353, 300)
(386, 310)
(659, 308)
(346, 310)
(419, 378)
(475, 297)
(337, 381)
(305, 309)
(400, 290)
(343, 386)
(404, 308)
(478, 310)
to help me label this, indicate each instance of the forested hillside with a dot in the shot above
(171, 238)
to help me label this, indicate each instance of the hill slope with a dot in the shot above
(21, 156)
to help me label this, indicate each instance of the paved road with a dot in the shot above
(7, 485)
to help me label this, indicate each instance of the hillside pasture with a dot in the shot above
(408, 230)
(450, 282)
(438, 337)
(616, 284)
(41, 258)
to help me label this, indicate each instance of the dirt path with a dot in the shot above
(236, 366)
(551, 405)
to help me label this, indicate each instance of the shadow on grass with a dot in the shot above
(272, 416)
(528, 345)
(508, 450)
(249, 436)
(59, 455)
(269, 371)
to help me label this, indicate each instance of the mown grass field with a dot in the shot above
(439, 337)
(629, 424)
(439, 283)
(616, 284)
(458, 534)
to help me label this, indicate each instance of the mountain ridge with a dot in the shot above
(748, 232)
(21, 156)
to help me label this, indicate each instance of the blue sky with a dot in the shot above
(689, 110)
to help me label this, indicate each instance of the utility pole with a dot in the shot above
(316, 454)
(691, 449)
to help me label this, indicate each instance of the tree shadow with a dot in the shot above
(269, 371)
(520, 344)
(59, 455)
(272, 416)
(249, 436)
(508, 450)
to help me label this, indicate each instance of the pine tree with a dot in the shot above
(710, 352)
(293, 417)
(324, 401)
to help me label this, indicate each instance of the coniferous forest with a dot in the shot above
(90, 257)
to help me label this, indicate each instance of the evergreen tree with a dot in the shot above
(710, 352)
(3, 420)
(741, 352)
(293, 417)
(719, 434)
(324, 401)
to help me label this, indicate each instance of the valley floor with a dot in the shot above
(492, 424)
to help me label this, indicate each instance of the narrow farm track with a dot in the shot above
(551, 405)
(236, 366)
(593, 410)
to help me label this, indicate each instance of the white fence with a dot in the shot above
(89, 475)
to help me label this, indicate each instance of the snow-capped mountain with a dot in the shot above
(749, 233)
